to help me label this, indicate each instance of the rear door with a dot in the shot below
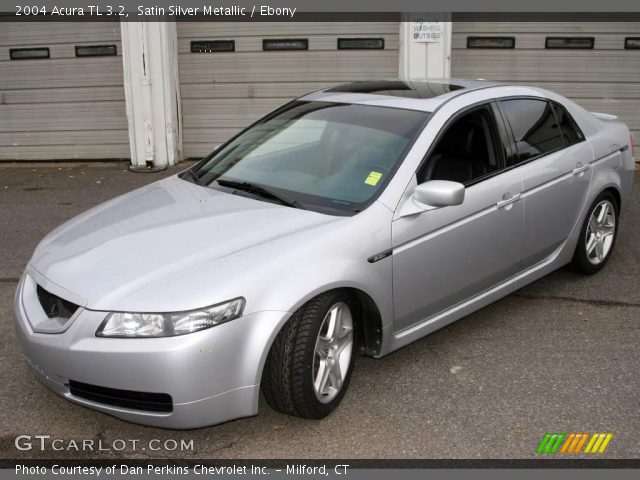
(554, 161)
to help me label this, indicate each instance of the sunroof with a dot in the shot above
(397, 88)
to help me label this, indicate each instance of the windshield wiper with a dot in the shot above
(260, 191)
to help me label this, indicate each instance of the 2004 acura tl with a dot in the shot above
(356, 219)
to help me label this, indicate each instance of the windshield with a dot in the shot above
(321, 156)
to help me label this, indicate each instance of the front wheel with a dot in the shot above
(309, 365)
(598, 235)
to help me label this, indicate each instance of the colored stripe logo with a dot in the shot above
(574, 443)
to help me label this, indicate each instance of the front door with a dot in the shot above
(444, 256)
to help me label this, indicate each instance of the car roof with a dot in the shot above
(414, 94)
(429, 94)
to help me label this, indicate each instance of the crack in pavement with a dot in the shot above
(9, 279)
(600, 303)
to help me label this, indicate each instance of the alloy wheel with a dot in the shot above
(332, 354)
(600, 232)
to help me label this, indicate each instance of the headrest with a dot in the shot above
(458, 141)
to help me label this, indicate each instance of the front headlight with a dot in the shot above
(131, 325)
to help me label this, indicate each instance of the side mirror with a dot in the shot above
(438, 193)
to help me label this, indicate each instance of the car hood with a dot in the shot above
(158, 232)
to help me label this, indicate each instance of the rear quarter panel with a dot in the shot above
(613, 164)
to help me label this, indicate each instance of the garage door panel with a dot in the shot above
(536, 41)
(66, 152)
(228, 106)
(226, 91)
(252, 90)
(618, 59)
(505, 65)
(79, 137)
(51, 33)
(254, 44)
(65, 106)
(63, 95)
(496, 28)
(61, 116)
(65, 72)
(56, 52)
(196, 30)
(275, 66)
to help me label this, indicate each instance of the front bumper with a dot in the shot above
(212, 376)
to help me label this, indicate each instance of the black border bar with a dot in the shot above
(350, 17)
(533, 463)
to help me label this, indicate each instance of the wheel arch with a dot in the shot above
(606, 179)
(369, 330)
(370, 327)
(598, 187)
(370, 324)
(616, 195)
(580, 259)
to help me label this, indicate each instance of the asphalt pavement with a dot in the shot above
(561, 355)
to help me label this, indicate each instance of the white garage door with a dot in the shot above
(587, 62)
(61, 91)
(247, 69)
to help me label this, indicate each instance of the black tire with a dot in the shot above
(287, 380)
(581, 260)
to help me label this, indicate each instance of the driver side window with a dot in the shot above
(468, 150)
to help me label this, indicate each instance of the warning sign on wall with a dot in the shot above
(427, 32)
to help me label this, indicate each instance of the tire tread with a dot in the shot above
(287, 373)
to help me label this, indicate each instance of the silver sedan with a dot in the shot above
(352, 220)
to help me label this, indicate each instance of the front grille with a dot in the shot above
(149, 402)
(55, 307)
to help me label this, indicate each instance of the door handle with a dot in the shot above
(508, 199)
(581, 168)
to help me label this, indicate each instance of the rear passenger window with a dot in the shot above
(534, 126)
(568, 126)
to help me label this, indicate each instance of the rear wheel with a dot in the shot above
(598, 235)
(309, 365)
